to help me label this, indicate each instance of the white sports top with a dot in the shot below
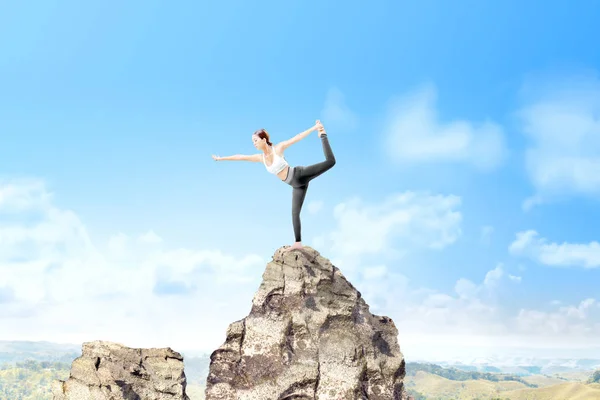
(278, 164)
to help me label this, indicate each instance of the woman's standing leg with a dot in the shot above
(298, 195)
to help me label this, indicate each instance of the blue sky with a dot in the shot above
(487, 114)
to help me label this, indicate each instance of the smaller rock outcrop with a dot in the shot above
(110, 371)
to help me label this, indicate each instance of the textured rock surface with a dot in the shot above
(110, 371)
(309, 335)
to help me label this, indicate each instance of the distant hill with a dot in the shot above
(12, 352)
(430, 386)
(456, 374)
(532, 369)
(595, 378)
(17, 346)
(568, 390)
(525, 366)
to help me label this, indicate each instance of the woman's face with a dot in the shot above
(258, 142)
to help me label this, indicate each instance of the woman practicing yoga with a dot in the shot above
(297, 177)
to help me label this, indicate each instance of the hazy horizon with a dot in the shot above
(450, 353)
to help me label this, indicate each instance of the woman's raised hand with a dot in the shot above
(216, 158)
(320, 128)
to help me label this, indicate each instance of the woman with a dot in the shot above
(297, 177)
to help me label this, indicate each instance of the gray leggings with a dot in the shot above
(299, 177)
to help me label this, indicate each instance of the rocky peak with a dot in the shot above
(109, 370)
(309, 335)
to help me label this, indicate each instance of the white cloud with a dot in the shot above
(514, 278)
(474, 315)
(415, 135)
(418, 219)
(567, 320)
(467, 289)
(560, 119)
(23, 195)
(336, 113)
(493, 276)
(530, 244)
(118, 243)
(55, 284)
(472, 309)
(374, 272)
(532, 202)
(150, 237)
(314, 207)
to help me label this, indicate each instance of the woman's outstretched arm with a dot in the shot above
(239, 157)
(287, 143)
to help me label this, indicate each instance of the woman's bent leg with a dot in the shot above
(312, 171)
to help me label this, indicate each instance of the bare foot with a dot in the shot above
(295, 246)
